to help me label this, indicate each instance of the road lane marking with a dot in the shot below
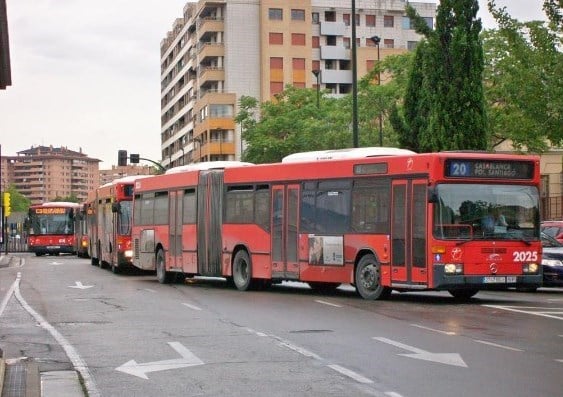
(497, 345)
(191, 306)
(79, 285)
(544, 311)
(419, 354)
(433, 330)
(327, 303)
(349, 373)
(77, 362)
(188, 359)
(8, 296)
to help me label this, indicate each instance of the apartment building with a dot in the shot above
(218, 51)
(43, 173)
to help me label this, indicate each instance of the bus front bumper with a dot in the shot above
(443, 281)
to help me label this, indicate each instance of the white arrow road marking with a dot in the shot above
(55, 263)
(442, 358)
(79, 285)
(188, 360)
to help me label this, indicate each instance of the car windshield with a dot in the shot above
(477, 211)
(548, 241)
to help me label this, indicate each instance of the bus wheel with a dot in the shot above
(93, 261)
(114, 269)
(462, 295)
(368, 279)
(242, 271)
(162, 275)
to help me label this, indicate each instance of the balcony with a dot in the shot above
(335, 52)
(210, 73)
(211, 50)
(333, 28)
(209, 26)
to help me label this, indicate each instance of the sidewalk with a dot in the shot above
(28, 376)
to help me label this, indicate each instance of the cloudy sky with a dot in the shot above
(86, 74)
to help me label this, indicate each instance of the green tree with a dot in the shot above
(290, 123)
(72, 198)
(452, 113)
(19, 203)
(524, 88)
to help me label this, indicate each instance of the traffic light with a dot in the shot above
(122, 158)
(134, 158)
(7, 204)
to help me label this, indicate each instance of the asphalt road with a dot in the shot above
(131, 336)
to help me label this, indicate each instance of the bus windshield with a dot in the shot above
(51, 224)
(478, 211)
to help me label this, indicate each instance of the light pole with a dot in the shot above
(317, 73)
(377, 40)
(354, 80)
(198, 140)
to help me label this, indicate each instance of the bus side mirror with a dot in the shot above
(432, 195)
(115, 207)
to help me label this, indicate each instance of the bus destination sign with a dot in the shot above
(50, 211)
(469, 168)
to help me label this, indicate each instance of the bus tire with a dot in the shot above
(162, 275)
(463, 295)
(242, 271)
(115, 269)
(93, 261)
(368, 279)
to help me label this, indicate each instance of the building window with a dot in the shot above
(315, 17)
(346, 19)
(330, 16)
(275, 14)
(316, 42)
(370, 20)
(298, 63)
(297, 39)
(411, 45)
(276, 63)
(297, 15)
(276, 38)
(346, 41)
(276, 87)
(388, 21)
(388, 43)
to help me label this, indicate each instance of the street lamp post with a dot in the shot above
(377, 40)
(317, 73)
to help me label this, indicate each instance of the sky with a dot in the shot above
(86, 74)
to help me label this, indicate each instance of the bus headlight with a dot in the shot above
(530, 268)
(128, 253)
(453, 268)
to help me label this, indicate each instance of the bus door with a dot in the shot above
(209, 222)
(285, 217)
(408, 233)
(175, 228)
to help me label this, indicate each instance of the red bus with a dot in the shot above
(109, 229)
(404, 221)
(81, 232)
(51, 228)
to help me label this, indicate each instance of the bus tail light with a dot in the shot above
(453, 268)
(530, 268)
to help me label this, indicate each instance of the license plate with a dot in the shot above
(494, 279)
(53, 247)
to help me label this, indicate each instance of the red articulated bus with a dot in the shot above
(51, 228)
(381, 219)
(109, 226)
(81, 232)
